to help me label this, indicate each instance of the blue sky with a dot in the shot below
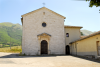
(77, 13)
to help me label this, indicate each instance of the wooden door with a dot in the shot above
(44, 47)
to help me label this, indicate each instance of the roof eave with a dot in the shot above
(73, 27)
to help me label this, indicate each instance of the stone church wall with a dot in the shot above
(32, 26)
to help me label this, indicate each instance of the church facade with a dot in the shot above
(44, 32)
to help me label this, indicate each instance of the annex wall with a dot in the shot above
(74, 34)
(87, 46)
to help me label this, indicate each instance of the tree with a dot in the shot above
(5, 41)
(81, 33)
(94, 3)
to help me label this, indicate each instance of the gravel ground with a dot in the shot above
(11, 60)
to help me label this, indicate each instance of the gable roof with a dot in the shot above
(96, 33)
(66, 26)
(41, 9)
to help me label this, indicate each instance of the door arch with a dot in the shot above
(67, 50)
(44, 47)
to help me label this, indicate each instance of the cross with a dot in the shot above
(43, 4)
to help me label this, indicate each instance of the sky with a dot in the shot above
(77, 12)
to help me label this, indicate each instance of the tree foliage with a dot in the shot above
(94, 3)
(81, 33)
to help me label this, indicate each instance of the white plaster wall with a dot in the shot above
(74, 34)
(32, 26)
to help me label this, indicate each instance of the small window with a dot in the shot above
(67, 34)
(44, 24)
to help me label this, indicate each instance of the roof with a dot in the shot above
(72, 26)
(96, 33)
(43, 8)
(43, 33)
(83, 36)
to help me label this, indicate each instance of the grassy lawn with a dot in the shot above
(14, 49)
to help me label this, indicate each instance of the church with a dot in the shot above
(44, 32)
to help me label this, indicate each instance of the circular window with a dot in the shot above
(44, 24)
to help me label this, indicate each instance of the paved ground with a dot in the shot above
(11, 60)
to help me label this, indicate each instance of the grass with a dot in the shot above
(14, 49)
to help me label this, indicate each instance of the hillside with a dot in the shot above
(10, 32)
(86, 32)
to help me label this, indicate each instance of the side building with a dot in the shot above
(88, 46)
(72, 33)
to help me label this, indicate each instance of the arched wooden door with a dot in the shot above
(44, 47)
(67, 50)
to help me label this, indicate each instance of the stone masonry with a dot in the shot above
(32, 26)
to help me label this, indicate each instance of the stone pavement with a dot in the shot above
(11, 60)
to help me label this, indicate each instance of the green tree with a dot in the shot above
(94, 3)
(5, 42)
(81, 33)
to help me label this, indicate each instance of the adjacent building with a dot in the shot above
(87, 46)
(44, 32)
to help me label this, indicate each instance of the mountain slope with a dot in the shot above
(10, 32)
(86, 32)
